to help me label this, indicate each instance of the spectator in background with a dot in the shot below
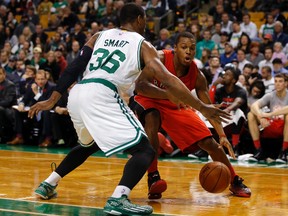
(236, 34)
(11, 21)
(214, 68)
(268, 79)
(37, 59)
(10, 67)
(51, 65)
(273, 126)
(224, 38)
(233, 99)
(195, 30)
(249, 27)
(205, 43)
(27, 79)
(268, 27)
(244, 43)
(255, 56)
(256, 91)
(278, 52)
(278, 16)
(278, 67)
(23, 23)
(69, 19)
(16, 75)
(234, 10)
(279, 35)
(178, 29)
(209, 25)
(22, 55)
(37, 91)
(7, 99)
(216, 37)
(32, 17)
(242, 61)
(39, 33)
(266, 42)
(60, 59)
(9, 36)
(75, 51)
(226, 23)
(78, 34)
(218, 13)
(4, 58)
(228, 55)
(267, 61)
(163, 40)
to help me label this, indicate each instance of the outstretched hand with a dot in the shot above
(213, 113)
(36, 108)
(225, 143)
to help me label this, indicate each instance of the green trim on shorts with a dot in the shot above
(131, 119)
(127, 145)
(99, 80)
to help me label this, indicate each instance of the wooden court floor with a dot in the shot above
(85, 191)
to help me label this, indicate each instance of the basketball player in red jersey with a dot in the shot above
(183, 125)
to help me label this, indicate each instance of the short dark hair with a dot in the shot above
(277, 61)
(234, 71)
(281, 75)
(183, 34)
(130, 12)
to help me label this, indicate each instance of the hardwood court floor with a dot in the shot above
(85, 191)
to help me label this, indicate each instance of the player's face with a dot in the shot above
(185, 50)
(228, 77)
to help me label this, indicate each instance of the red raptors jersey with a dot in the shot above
(189, 79)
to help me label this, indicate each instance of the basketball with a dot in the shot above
(214, 177)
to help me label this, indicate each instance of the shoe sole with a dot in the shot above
(158, 187)
(45, 197)
(113, 212)
(240, 194)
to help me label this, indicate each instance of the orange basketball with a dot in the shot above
(214, 177)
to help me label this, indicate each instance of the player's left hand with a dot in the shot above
(225, 143)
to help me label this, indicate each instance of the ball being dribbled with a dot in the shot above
(214, 177)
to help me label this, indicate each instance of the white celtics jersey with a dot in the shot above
(116, 58)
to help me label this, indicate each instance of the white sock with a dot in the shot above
(53, 179)
(120, 190)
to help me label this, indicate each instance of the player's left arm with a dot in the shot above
(203, 94)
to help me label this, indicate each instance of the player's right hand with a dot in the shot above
(39, 106)
(216, 114)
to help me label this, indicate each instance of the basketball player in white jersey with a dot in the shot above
(112, 60)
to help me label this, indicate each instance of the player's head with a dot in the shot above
(184, 48)
(231, 74)
(133, 15)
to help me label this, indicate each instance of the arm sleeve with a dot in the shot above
(74, 69)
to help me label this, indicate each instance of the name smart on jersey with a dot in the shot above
(115, 43)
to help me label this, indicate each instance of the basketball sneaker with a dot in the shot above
(156, 185)
(259, 156)
(123, 206)
(282, 157)
(46, 191)
(238, 188)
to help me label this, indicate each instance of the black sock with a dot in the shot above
(75, 158)
(142, 156)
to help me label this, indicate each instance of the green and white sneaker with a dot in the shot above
(46, 191)
(123, 206)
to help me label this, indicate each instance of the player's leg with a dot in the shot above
(217, 154)
(283, 156)
(74, 158)
(156, 185)
(134, 170)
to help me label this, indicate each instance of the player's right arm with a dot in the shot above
(176, 91)
(69, 76)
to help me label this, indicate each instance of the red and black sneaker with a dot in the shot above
(238, 188)
(156, 185)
